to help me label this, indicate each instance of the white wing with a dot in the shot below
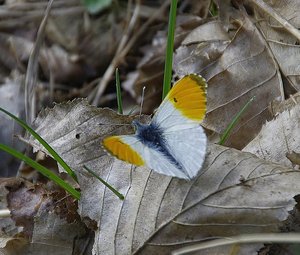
(153, 158)
(181, 156)
(187, 143)
(167, 116)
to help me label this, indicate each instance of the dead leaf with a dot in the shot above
(236, 70)
(159, 213)
(278, 137)
(284, 45)
(43, 223)
(12, 245)
(277, 107)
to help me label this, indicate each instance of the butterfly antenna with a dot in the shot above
(142, 101)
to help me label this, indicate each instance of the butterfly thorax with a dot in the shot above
(149, 134)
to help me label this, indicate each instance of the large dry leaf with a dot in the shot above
(236, 69)
(235, 193)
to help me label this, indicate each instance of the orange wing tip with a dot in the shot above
(189, 96)
(120, 149)
(200, 81)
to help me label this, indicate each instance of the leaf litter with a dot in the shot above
(236, 192)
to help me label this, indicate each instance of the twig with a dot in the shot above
(122, 52)
(270, 11)
(31, 73)
(111, 69)
(143, 29)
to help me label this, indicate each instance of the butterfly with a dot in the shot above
(173, 143)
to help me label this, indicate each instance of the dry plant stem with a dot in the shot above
(143, 29)
(242, 239)
(270, 11)
(128, 12)
(31, 74)
(111, 69)
(123, 52)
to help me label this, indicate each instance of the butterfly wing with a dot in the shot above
(130, 149)
(185, 103)
(187, 144)
(179, 116)
(125, 147)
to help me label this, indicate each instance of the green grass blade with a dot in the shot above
(213, 9)
(234, 121)
(43, 170)
(119, 96)
(169, 50)
(44, 143)
(104, 182)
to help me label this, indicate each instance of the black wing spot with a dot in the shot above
(175, 100)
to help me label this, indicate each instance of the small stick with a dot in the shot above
(270, 11)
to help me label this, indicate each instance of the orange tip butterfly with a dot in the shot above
(174, 143)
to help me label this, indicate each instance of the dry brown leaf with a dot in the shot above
(236, 70)
(278, 137)
(235, 193)
(277, 107)
(284, 46)
(54, 235)
(12, 245)
(42, 223)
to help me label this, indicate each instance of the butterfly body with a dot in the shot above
(174, 142)
(152, 136)
(149, 134)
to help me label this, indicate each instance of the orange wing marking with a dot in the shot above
(189, 96)
(123, 151)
